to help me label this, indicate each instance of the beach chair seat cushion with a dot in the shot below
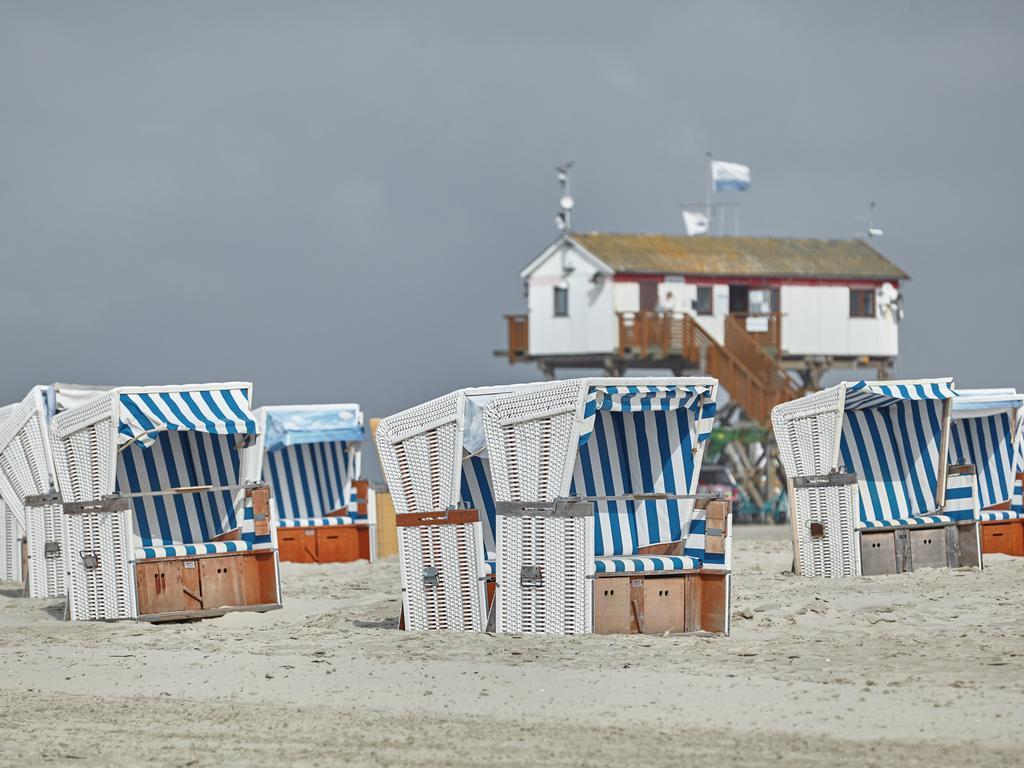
(645, 564)
(303, 522)
(201, 548)
(990, 515)
(904, 522)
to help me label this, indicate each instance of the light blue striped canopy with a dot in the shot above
(311, 458)
(986, 432)
(640, 398)
(891, 440)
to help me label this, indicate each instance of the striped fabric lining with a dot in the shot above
(892, 445)
(476, 492)
(143, 415)
(990, 515)
(633, 399)
(178, 459)
(316, 522)
(987, 443)
(638, 452)
(961, 496)
(645, 564)
(191, 550)
(311, 480)
(904, 522)
(862, 394)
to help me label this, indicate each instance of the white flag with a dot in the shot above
(729, 176)
(696, 223)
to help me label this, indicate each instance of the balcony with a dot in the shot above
(518, 337)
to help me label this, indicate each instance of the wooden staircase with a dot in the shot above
(752, 376)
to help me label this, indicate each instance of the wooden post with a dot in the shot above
(387, 533)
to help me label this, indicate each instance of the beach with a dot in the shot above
(918, 669)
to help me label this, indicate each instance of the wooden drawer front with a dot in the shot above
(222, 581)
(341, 543)
(877, 553)
(1003, 538)
(159, 587)
(297, 545)
(612, 611)
(928, 548)
(665, 604)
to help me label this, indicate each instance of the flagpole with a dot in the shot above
(710, 191)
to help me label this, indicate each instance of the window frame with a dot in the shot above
(711, 301)
(563, 292)
(863, 304)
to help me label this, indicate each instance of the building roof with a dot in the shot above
(739, 256)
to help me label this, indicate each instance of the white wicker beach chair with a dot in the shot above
(987, 432)
(436, 466)
(29, 489)
(871, 490)
(598, 525)
(162, 520)
(312, 460)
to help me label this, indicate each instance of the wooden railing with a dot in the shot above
(769, 339)
(742, 366)
(518, 337)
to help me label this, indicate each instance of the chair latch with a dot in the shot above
(90, 560)
(429, 576)
(51, 549)
(531, 576)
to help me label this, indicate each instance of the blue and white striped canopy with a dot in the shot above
(176, 459)
(639, 451)
(986, 432)
(476, 492)
(649, 398)
(217, 410)
(312, 480)
(891, 440)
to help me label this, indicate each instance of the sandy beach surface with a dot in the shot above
(921, 669)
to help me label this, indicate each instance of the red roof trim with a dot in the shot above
(642, 277)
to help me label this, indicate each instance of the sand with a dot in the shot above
(917, 669)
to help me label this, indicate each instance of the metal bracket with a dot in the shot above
(832, 479)
(51, 549)
(90, 559)
(429, 576)
(109, 504)
(531, 576)
(561, 508)
(42, 500)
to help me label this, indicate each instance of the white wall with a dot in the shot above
(816, 321)
(591, 326)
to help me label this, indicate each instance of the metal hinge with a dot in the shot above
(90, 559)
(531, 576)
(429, 576)
(51, 549)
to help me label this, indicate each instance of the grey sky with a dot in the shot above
(333, 200)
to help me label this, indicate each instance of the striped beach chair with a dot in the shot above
(163, 518)
(435, 461)
(988, 432)
(599, 528)
(870, 485)
(311, 459)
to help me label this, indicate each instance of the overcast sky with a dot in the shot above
(333, 200)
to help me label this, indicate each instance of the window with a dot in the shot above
(862, 302)
(561, 302)
(705, 303)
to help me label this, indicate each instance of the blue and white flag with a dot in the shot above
(728, 176)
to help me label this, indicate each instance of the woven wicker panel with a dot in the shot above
(806, 431)
(107, 591)
(455, 552)
(10, 545)
(420, 450)
(562, 548)
(24, 465)
(834, 507)
(82, 439)
(45, 525)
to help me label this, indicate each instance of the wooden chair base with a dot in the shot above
(324, 544)
(655, 604)
(178, 588)
(1004, 537)
(902, 550)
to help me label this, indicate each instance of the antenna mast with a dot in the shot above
(563, 220)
